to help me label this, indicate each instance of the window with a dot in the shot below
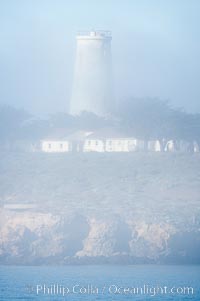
(61, 145)
(49, 145)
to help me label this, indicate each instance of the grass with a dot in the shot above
(160, 185)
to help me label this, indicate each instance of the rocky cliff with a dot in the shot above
(143, 208)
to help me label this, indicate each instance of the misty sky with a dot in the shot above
(155, 49)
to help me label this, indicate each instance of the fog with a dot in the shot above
(155, 50)
(98, 188)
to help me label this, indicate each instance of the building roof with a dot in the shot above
(109, 133)
(71, 135)
(79, 135)
(66, 134)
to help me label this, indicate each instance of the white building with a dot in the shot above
(121, 144)
(105, 140)
(94, 145)
(110, 145)
(57, 142)
(62, 141)
(108, 140)
(55, 146)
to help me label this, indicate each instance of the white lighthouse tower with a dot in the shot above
(92, 86)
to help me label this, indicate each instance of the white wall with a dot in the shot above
(94, 145)
(120, 145)
(50, 146)
(110, 145)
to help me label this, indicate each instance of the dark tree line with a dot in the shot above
(153, 119)
(145, 119)
(12, 122)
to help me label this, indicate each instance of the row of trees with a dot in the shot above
(17, 124)
(155, 119)
(145, 119)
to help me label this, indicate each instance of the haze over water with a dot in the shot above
(101, 283)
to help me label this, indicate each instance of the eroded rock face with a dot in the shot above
(106, 238)
(150, 240)
(36, 237)
(40, 235)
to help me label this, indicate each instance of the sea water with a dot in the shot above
(102, 282)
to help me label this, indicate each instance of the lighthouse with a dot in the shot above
(92, 89)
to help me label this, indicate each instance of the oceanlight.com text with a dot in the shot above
(111, 289)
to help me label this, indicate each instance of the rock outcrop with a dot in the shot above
(38, 237)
